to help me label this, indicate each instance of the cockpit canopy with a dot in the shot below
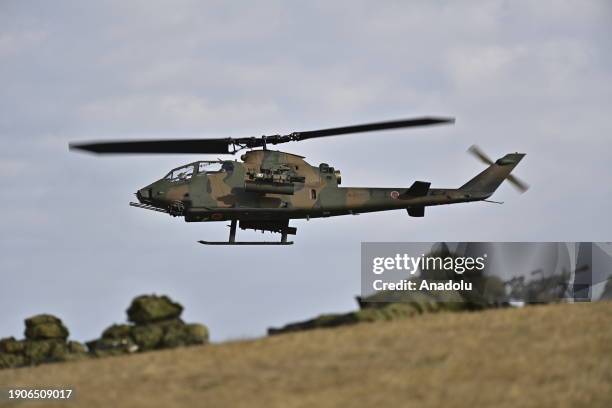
(201, 167)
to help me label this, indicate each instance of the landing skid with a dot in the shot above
(232, 239)
(246, 243)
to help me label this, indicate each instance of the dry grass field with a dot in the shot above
(545, 356)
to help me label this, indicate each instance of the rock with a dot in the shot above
(152, 308)
(196, 333)
(117, 331)
(382, 312)
(115, 340)
(392, 311)
(58, 352)
(488, 291)
(8, 360)
(170, 324)
(11, 345)
(105, 347)
(175, 337)
(326, 320)
(123, 339)
(65, 351)
(147, 337)
(41, 319)
(47, 331)
(45, 342)
(38, 351)
(41, 327)
(185, 335)
(156, 325)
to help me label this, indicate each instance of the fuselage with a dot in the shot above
(269, 185)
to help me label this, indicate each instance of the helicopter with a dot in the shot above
(268, 188)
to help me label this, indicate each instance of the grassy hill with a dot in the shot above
(557, 355)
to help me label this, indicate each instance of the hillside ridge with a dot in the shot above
(553, 355)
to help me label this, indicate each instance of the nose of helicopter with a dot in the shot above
(144, 195)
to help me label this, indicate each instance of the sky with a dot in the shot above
(533, 77)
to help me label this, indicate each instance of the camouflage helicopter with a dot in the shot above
(268, 188)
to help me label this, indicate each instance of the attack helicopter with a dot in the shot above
(268, 188)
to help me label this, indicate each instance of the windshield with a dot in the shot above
(206, 167)
(187, 171)
(215, 167)
(180, 174)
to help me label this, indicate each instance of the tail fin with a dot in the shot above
(489, 179)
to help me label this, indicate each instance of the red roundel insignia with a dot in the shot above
(394, 195)
(217, 216)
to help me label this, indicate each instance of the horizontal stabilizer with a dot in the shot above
(418, 188)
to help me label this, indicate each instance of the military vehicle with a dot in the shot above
(268, 188)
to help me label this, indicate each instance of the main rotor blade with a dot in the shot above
(518, 183)
(370, 127)
(475, 150)
(218, 146)
(232, 145)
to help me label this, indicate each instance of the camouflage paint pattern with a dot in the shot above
(202, 196)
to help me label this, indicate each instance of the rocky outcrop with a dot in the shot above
(46, 340)
(155, 324)
(488, 291)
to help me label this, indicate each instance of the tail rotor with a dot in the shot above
(520, 185)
